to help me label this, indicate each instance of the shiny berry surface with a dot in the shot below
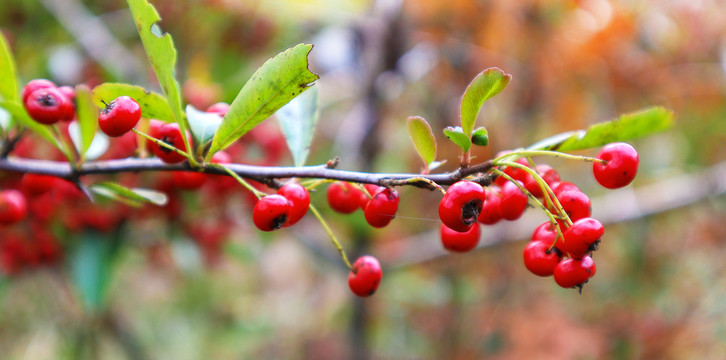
(365, 277)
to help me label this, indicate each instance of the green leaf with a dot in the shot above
(203, 125)
(458, 137)
(485, 85)
(133, 197)
(87, 114)
(423, 138)
(162, 55)
(99, 144)
(480, 137)
(297, 120)
(8, 77)
(153, 105)
(273, 85)
(626, 127)
(92, 261)
(19, 114)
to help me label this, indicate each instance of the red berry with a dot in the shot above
(460, 207)
(548, 174)
(381, 209)
(545, 232)
(513, 201)
(271, 212)
(219, 108)
(188, 180)
(299, 199)
(539, 259)
(575, 203)
(119, 116)
(490, 214)
(364, 278)
(561, 186)
(583, 237)
(36, 84)
(36, 184)
(515, 173)
(13, 207)
(69, 110)
(574, 272)
(620, 168)
(45, 105)
(460, 241)
(345, 198)
(170, 134)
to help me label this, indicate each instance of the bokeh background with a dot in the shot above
(659, 291)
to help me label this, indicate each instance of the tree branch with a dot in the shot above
(259, 173)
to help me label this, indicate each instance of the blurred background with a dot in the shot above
(198, 281)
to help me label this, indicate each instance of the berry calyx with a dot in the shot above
(460, 241)
(539, 259)
(460, 207)
(571, 273)
(35, 84)
(620, 167)
(299, 199)
(381, 209)
(345, 198)
(45, 105)
(170, 134)
(583, 237)
(119, 116)
(271, 212)
(13, 207)
(513, 201)
(365, 276)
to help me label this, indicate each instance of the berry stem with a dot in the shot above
(167, 146)
(526, 153)
(257, 193)
(552, 218)
(333, 239)
(549, 195)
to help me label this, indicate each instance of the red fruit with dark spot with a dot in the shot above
(539, 259)
(575, 203)
(13, 207)
(119, 116)
(271, 212)
(620, 168)
(365, 276)
(299, 199)
(583, 237)
(382, 208)
(45, 105)
(460, 207)
(171, 135)
(574, 272)
(36, 84)
(490, 214)
(513, 201)
(460, 241)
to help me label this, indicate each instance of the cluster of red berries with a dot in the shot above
(566, 256)
(47, 103)
(379, 204)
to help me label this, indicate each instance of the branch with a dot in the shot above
(258, 173)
